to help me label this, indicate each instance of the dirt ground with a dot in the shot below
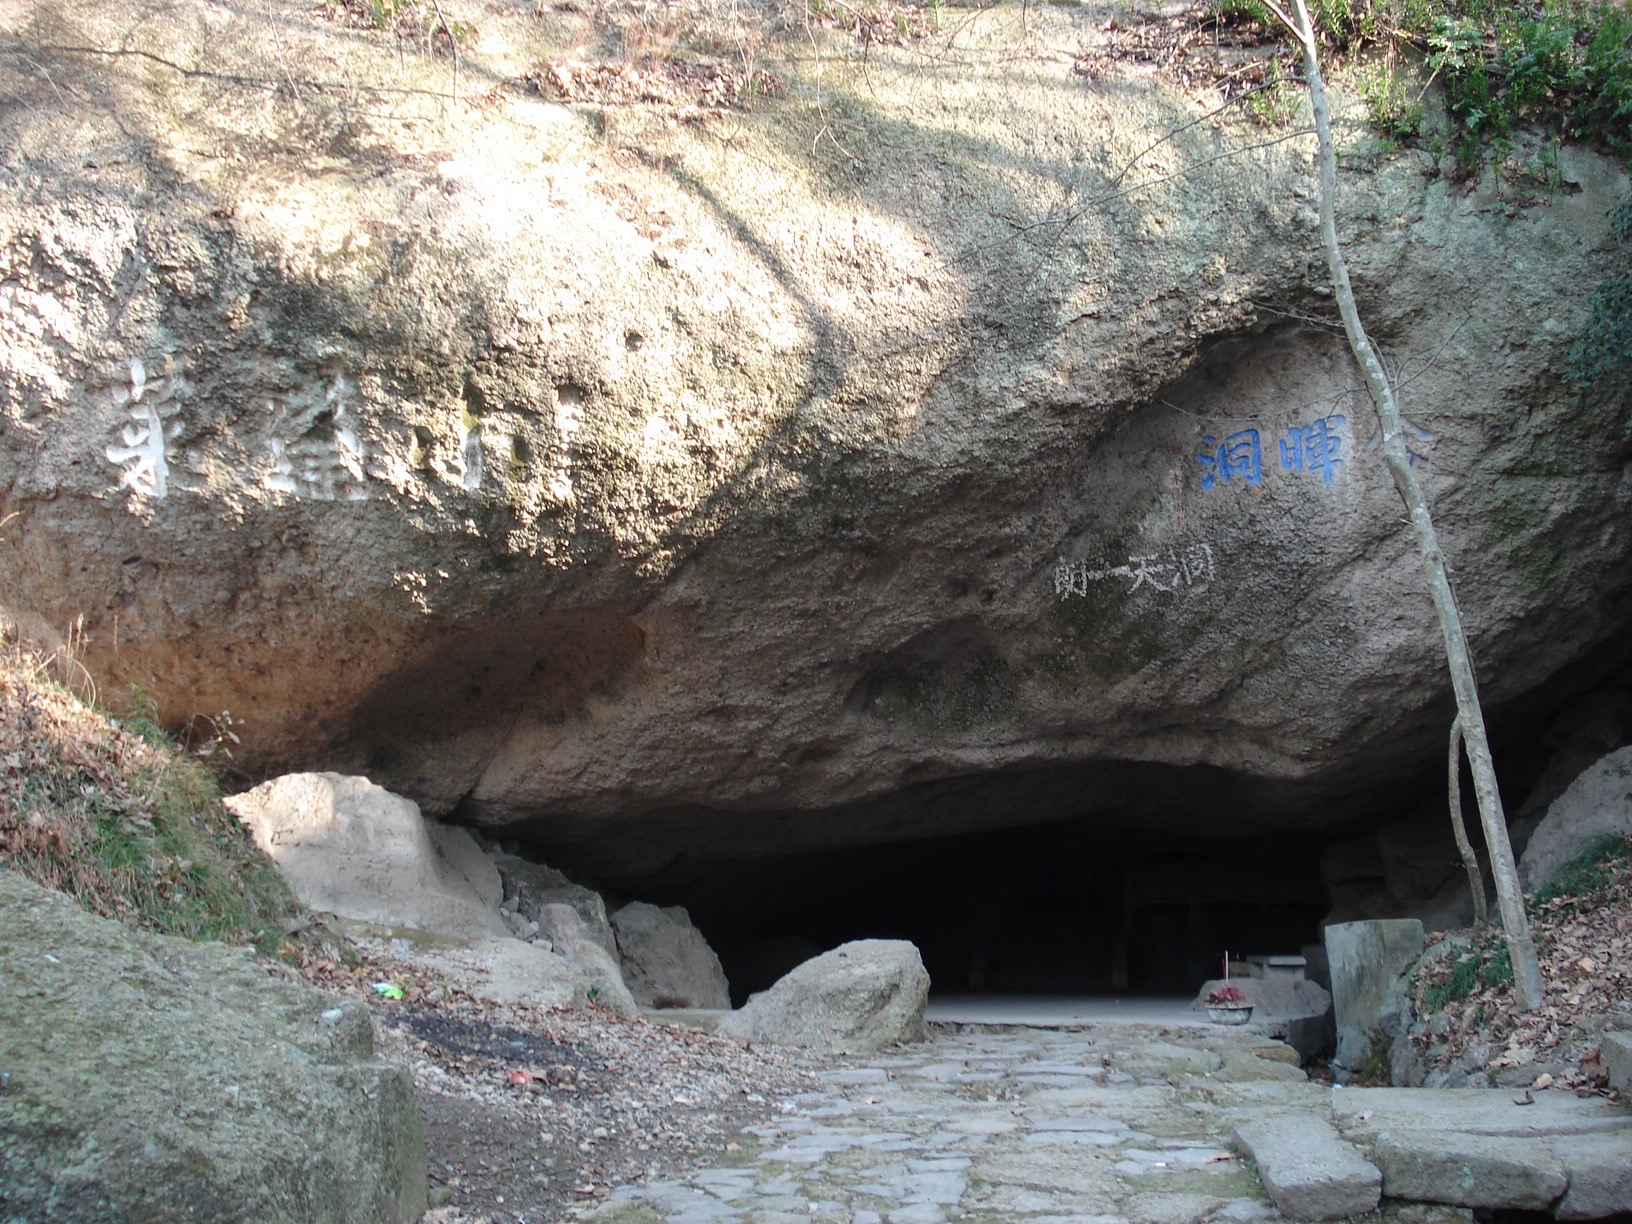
(532, 1113)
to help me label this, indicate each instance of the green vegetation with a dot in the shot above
(1595, 870)
(1484, 964)
(116, 814)
(1563, 65)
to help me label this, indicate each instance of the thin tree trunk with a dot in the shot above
(1470, 861)
(1509, 898)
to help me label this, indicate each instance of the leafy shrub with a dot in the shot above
(1563, 64)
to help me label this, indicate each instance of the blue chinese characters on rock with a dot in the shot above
(1315, 448)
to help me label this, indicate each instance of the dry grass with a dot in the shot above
(114, 813)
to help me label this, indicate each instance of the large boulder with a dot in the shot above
(666, 960)
(1597, 805)
(149, 1079)
(353, 849)
(858, 998)
(572, 938)
(664, 498)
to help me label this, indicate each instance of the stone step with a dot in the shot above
(1490, 1171)
(1364, 1113)
(1310, 1171)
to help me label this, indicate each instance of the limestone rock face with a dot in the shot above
(150, 1078)
(351, 848)
(1597, 804)
(666, 960)
(665, 490)
(860, 997)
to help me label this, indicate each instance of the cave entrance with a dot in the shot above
(1068, 907)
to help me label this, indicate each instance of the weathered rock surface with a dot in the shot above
(1470, 1170)
(1307, 1167)
(1599, 1169)
(351, 848)
(532, 886)
(862, 996)
(1365, 960)
(151, 1079)
(507, 970)
(1597, 804)
(670, 497)
(571, 937)
(666, 960)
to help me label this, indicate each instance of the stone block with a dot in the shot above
(1616, 1051)
(1308, 1168)
(1491, 1171)
(1599, 1168)
(1364, 1113)
(1365, 959)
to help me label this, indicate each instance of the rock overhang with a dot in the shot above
(654, 490)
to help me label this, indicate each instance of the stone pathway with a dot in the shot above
(1131, 1125)
(1047, 1127)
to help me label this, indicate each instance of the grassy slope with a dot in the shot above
(113, 813)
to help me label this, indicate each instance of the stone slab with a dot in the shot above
(1599, 1168)
(1364, 1113)
(1616, 1051)
(1490, 1171)
(1310, 1171)
(1364, 959)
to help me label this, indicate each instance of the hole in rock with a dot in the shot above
(1067, 907)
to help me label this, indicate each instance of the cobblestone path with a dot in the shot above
(1099, 1126)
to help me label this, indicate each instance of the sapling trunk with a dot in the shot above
(1470, 861)
(1509, 898)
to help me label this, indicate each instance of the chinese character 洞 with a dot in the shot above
(1314, 447)
(1237, 456)
(1197, 562)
